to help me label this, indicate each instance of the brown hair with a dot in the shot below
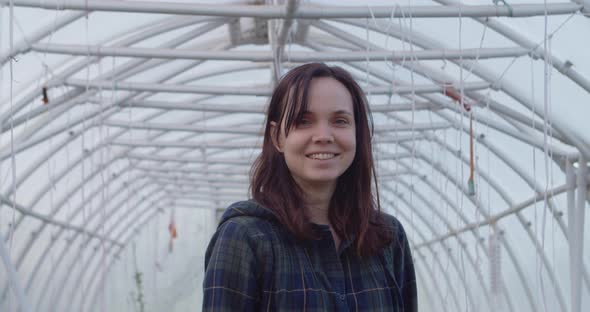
(354, 208)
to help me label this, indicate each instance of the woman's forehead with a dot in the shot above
(328, 95)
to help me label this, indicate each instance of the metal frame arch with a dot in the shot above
(73, 240)
(428, 297)
(86, 266)
(496, 186)
(506, 159)
(475, 202)
(447, 250)
(427, 74)
(529, 181)
(461, 242)
(527, 137)
(51, 114)
(138, 216)
(422, 41)
(443, 271)
(121, 73)
(81, 132)
(116, 256)
(372, 71)
(521, 222)
(501, 28)
(109, 163)
(63, 255)
(402, 198)
(142, 32)
(43, 256)
(514, 260)
(115, 135)
(477, 206)
(505, 196)
(155, 210)
(459, 214)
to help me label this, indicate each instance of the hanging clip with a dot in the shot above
(452, 93)
(45, 97)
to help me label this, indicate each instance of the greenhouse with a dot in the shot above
(127, 127)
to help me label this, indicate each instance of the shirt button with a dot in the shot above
(342, 297)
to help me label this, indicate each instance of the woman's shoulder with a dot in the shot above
(392, 222)
(247, 220)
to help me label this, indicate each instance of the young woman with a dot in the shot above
(313, 237)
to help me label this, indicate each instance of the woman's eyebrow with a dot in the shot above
(343, 112)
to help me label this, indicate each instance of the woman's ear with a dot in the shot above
(273, 136)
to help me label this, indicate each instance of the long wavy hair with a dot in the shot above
(354, 209)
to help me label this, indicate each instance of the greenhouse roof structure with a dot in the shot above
(127, 127)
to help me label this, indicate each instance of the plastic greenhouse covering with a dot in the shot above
(127, 127)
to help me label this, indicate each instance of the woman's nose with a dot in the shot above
(323, 134)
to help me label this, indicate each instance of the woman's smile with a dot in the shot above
(322, 156)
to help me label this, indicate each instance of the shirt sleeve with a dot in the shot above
(230, 282)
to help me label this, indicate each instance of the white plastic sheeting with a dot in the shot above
(124, 121)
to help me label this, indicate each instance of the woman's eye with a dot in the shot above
(303, 122)
(342, 121)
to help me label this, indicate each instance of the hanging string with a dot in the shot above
(470, 182)
(414, 60)
(12, 153)
(467, 107)
(550, 154)
(534, 158)
(83, 150)
(545, 147)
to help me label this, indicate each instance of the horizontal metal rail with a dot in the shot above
(304, 11)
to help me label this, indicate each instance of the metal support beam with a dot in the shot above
(39, 34)
(304, 11)
(256, 90)
(492, 219)
(255, 130)
(259, 108)
(267, 56)
(20, 208)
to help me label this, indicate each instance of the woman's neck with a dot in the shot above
(317, 201)
(317, 205)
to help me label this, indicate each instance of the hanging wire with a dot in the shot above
(546, 83)
(83, 149)
(534, 156)
(474, 147)
(550, 156)
(413, 60)
(103, 189)
(531, 51)
(12, 153)
(471, 190)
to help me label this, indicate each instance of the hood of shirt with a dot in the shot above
(248, 208)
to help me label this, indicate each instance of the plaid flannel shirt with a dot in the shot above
(253, 264)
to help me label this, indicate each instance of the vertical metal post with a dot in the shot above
(13, 279)
(577, 235)
(570, 179)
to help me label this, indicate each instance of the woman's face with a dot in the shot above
(322, 145)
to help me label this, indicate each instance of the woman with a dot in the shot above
(312, 238)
